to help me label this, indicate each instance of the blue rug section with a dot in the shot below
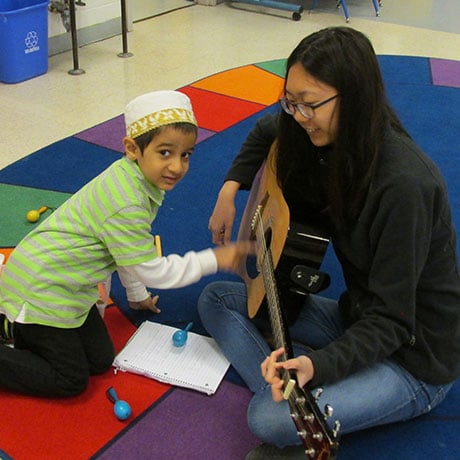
(64, 166)
(431, 115)
(405, 70)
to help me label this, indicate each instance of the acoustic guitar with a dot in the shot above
(280, 244)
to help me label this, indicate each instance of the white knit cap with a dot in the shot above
(159, 108)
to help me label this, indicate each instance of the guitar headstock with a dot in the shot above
(319, 440)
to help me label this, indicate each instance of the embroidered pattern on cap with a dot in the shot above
(160, 118)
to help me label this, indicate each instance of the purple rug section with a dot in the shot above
(204, 134)
(445, 72)
(110, 133)
(188, 425)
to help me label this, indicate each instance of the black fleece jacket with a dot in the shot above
(399, 262)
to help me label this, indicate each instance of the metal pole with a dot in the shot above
(124, 31)
(73, 30)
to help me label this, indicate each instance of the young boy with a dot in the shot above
(49, 287)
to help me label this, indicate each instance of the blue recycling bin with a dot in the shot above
(23, 39)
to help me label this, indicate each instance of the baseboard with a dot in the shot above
(209, 2)
(61, 43)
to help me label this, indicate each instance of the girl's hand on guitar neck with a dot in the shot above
(223, 216)
(271, 370)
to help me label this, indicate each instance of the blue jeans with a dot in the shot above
(382, 393)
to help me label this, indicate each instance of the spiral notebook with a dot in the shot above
(199, 364)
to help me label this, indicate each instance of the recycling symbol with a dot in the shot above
(31, 39)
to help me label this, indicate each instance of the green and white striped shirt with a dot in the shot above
(52, 276)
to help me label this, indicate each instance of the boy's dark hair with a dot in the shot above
(342, 58)
(144, 139)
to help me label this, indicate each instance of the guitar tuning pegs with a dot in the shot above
(302, 434)
(336, 429)
(318, 436)
(300, 400)
(318, 394)
(328, 410)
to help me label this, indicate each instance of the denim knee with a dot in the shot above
(221, 296)
(207, 297)
(270, 421)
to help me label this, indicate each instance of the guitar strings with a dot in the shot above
(268, 273)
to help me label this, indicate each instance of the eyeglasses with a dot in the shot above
(306, 110)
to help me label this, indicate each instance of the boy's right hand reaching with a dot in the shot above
(229, 257)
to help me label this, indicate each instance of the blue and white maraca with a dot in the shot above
(121, 409)
(180, 337)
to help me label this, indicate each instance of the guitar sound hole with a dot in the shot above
(251, 266)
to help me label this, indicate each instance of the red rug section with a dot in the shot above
(217, 112)
(78, 427)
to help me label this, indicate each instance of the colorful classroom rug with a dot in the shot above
(172, 422)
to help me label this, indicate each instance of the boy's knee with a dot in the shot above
(103, 363)
(68, 387)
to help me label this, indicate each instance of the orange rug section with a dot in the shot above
(76, 428)
(248, 83)
(6, 253)
(226, 98)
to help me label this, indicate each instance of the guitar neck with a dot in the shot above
(318, 440)
(266, 220)
(280, 334)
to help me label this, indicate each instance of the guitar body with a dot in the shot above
(280, 269)
(266, 195)
(297, 250)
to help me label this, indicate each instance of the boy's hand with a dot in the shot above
(229, 257)
(147, 304)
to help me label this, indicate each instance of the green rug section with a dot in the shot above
(16, 202)
(277, 66)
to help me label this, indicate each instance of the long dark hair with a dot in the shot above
(342, 58)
